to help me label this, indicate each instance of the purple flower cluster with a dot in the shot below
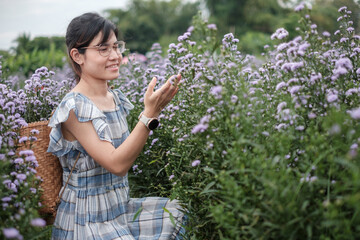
(35, 101)
(228, 107)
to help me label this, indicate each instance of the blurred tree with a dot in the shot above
(23, 42)
(239, 16)
(325, 13)
(148, 21)
(44, 43)
(252, 21)
(26, 45)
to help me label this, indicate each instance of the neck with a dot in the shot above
(92, 87)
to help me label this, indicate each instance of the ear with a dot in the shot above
(76, 56)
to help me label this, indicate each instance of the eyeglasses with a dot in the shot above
(105, 49)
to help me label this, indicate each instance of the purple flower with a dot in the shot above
(326, 34)
(281, 106)
(282, 46)
(300, 128)
(34, 131)
(19, 161)
(358, 71)
(38, 222)
(345, 63)
(135, 167)
(355, 113)
(11, 233)
(26, 152)
(280, 85)
(211, 26)
(216, 90)
(154, 141)
(314, 77)
(21, 176)
(354, 146)
(190, 29)
(23, 139)
(295, 89)
(171, 176)
(312, 115)
(199, 128)
(279, 34)
(210, 110)
(6, 199)
(299, 7)
(331, 98)
(351, 91)
(234, 98)
(302, 48)
(344, 8)
(350, 29)
(195, 163)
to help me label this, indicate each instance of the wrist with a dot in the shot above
(150, 114)
(150, 122)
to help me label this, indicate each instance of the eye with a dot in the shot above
(103, 49)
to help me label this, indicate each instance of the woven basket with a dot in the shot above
(49, 168)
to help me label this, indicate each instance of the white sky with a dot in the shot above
(45, 17)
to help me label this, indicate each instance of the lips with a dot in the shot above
(113, 66)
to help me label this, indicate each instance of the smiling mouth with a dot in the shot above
(113, 66)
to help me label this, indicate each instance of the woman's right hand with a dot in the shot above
(156, 101)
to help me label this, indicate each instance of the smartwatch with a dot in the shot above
(150, 123)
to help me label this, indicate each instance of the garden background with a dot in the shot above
(261, 141)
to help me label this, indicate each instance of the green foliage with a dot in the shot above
(256, 152)
(20, 190)
(254, 42)
(145, 22)
(29, 55)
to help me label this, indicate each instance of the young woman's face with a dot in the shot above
(97, 66)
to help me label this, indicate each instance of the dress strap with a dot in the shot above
(62, 191)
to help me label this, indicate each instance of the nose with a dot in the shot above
(114, 54)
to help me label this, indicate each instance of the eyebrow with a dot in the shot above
(107, 44)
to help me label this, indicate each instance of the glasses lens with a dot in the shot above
(104, 51)
(121, 47)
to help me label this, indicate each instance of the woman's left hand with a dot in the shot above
(156, 101)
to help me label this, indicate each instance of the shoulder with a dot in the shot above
(122, 100)
(83, 108)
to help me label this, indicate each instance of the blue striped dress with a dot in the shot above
(96, 203)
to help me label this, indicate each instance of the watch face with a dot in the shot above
(154, 123)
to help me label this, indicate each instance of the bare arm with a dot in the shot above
(119, 160)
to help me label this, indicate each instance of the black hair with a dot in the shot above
(82, 30)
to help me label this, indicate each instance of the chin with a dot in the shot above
(113, 76)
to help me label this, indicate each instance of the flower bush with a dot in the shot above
(19, 189)
(253, 149)
(256, 150)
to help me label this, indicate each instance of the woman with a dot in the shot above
(90, 136)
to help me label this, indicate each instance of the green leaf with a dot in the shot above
(137, 213)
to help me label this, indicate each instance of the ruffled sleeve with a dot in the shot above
(85, 111)
(123, 101)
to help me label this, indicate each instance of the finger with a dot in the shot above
(164, 88)
(151, 87)
(174, 93)
(177, 80)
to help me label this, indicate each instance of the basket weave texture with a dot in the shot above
(49, 168)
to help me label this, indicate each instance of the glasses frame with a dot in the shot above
(118, 50)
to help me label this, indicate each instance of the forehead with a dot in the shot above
(98, 39)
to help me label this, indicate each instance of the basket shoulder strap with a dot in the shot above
(67, 181)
